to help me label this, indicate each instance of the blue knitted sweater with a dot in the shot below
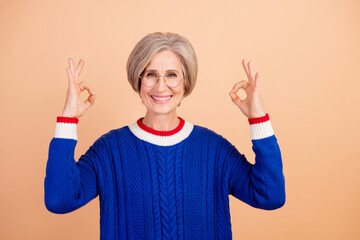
(163, 184)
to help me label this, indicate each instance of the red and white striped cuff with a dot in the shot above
(260, 127)
(66, 127)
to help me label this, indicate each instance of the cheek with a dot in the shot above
(182, 92)
(142, 96)
(143, 92)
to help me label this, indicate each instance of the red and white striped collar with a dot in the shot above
(161, 133)
(162, 138)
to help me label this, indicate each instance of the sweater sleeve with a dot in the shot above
(261, 185)
(69, 185)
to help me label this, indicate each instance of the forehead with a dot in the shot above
(165, 60)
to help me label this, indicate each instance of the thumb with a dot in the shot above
(235, 98)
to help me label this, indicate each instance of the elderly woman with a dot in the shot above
(162, 177)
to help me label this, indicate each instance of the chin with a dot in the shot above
(162, 110)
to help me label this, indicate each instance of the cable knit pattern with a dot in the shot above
(179, 191)
(210, 203)
(154, 159)
(197, 190)
(169, 209)
(222, 200)
(136, 187)
(173, 186)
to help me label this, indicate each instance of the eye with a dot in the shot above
(171, 75)
(151, 75)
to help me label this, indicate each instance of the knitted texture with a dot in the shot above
(155, 191)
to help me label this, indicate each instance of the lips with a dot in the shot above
(161, 99)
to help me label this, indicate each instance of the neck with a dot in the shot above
(161, 122)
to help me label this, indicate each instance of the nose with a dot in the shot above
(161, 84)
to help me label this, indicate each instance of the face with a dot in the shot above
(161, 99)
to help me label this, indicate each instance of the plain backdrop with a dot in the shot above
(308, 55)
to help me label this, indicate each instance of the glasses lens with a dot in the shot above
(150, 79)
(173, 79)
(173, 82)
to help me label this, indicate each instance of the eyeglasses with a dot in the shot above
(172, 78)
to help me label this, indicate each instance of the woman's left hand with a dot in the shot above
(250, 106)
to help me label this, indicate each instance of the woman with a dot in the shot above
(163, 177)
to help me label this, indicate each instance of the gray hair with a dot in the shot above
(153, 43)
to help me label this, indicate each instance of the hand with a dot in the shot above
(251, 106)
(73, 106)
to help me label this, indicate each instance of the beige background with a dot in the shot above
(307, 52)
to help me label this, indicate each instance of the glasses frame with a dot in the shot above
(159, 76)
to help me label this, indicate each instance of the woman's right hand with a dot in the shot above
(73, 106)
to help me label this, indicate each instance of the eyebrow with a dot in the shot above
(154, 70)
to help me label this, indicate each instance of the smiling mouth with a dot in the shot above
(163, 99)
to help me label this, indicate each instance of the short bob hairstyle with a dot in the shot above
(153, 43)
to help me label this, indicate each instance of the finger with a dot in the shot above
(235, 98)
(251, 73)
(70, 76)
(90, 100)
(243, 84)
(244, 63)
(83, 85)
(71, 65)
(257, 77)
(79, 68)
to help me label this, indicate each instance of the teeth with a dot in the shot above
(161, 98)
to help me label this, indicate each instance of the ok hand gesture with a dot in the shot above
(73, 106)
(250, 106)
